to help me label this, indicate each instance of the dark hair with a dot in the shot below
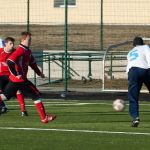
(7, 39)
(138, 41)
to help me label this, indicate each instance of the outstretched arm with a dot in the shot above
(35, 67)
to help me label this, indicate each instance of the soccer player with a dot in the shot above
(18, 64)
(4, 74)
(138, 69)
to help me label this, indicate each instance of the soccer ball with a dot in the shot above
(63, 95)
(119, 105)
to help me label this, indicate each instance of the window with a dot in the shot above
(61, 3)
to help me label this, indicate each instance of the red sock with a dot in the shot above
(40, 109)
(20, 99)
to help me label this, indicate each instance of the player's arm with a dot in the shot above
(35, 67)
(11, 61)
(147, 55)
(11, 66)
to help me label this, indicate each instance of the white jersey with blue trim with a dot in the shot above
(139, 57)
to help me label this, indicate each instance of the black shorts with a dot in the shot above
(27, 88)
(3, 82)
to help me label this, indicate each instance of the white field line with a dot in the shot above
(70, 104)
(62, 104)
(72, 130)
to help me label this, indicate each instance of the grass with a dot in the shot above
(82, 117)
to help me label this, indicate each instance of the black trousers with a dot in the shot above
(3, 82)
(27, 88)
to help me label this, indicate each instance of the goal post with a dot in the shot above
(114, 66)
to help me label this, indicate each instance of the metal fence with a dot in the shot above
(88, 26)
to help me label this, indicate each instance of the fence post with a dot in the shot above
(101, 27)
(28, 15)
(111, 65)
(90, 67)
(63, 76)
(49, 71)
(66, 46)
(69, 76)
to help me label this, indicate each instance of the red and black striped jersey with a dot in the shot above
(22, 58)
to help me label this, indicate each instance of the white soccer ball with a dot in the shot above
(63, 95)
(119, 105)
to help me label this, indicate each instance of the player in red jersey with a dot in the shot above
(18, 64)
(5, 52)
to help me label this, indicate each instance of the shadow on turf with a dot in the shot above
(74, 95)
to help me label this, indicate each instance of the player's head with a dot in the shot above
(26, 38)
(9, 44)
(138, 41)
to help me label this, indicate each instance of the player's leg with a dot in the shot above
(147, 80)
(9, 91)
(45, 118)
(3, 108)
(3, 82)
(135, 80)
(31, 90)
(20, 99)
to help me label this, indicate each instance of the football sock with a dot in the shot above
(20, 99)
(3, 104)
(2, 98)
(40, 109)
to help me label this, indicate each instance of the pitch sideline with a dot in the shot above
(79, 131)
(71, 103)
(63, 104)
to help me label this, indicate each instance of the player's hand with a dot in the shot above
(42, 75)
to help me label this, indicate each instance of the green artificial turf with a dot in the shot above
(80, 125)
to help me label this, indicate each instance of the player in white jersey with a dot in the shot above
(138, 70)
